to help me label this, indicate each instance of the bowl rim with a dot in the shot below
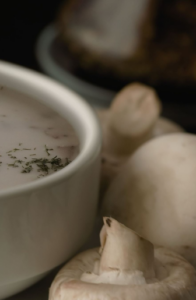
(69, 105)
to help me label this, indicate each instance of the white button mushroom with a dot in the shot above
(165, 126)
(155, 193)
(132, 119)
(127, 267)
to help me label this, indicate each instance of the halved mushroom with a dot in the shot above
(127, 267)
(131, 120)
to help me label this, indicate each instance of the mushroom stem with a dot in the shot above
(131, 119)
(122, 249)
(123, 145)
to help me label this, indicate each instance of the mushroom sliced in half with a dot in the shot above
(127, 267)
(132, 119)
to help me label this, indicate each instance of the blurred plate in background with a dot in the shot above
(179, 103)
(54, 62)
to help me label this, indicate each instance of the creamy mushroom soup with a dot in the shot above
(35, 140)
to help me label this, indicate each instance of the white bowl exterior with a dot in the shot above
(40, 230)
(44, 223)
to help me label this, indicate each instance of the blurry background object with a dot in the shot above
(152, 42)
(20, 23)
(104, 36)
(146, 40)
(55, 62)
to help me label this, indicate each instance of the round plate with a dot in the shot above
(178, 103)
(54, 62)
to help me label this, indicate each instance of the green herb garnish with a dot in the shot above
(27, 169)
(47, 150)
(13, 165)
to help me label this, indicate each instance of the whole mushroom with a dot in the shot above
(132, 119)
(155, 193)
(127, 267)
(165, 126)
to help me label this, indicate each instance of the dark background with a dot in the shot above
(21, 21)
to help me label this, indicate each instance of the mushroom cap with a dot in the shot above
(155, 193)
(79, 279)
(134, 110)
(165, 126)
(179, 284)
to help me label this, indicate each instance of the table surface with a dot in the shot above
(38, 291)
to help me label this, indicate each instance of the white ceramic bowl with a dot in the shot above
(43, 223)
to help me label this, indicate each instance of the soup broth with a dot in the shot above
(35, 140)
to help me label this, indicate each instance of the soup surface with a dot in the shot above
(35, 140)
